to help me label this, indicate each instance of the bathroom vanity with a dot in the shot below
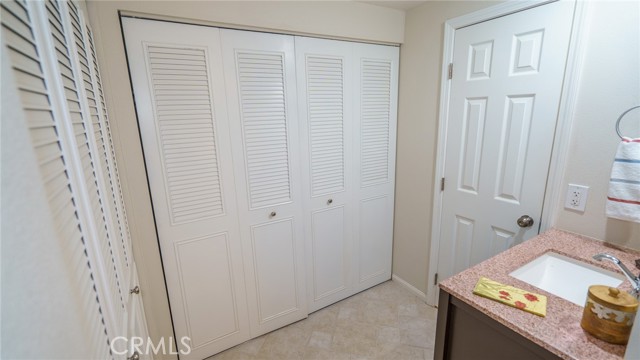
(470, 326)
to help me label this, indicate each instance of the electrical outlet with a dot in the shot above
(576, 197)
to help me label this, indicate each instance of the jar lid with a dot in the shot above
(613, 298)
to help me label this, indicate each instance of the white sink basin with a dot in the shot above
(565, 277)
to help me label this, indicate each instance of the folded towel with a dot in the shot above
(623, 200)
(518, 298)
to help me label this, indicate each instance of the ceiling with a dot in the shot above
(398, 4)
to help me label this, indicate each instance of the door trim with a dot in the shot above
(566, 111)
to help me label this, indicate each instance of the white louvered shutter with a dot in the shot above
(99, 179)
(375, 120)
(103, 171)
(179, 86)
(325, 93)
(107, 141)
(184, 111)
(262, 99)
(64, 38)
(35, 91)
(376, 72)
(325, 85)
(260, 84)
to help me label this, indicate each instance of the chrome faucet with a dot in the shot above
(635, 280)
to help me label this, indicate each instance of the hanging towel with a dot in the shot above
(623, 200)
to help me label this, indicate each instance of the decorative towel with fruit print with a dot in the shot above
(520, 299)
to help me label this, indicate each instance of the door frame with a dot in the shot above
(566, 111)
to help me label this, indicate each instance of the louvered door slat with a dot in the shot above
(325, 91)
(103, 170)
(118, 200)
(89, 160)
(375, 117)
(176, 109)
(18, 36)
(262, 99)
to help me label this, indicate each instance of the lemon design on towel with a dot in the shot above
(518, 298)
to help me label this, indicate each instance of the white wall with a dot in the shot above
(341, 19)
(41, 292)
(610, 84)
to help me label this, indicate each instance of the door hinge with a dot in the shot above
(435, 279)
(442, 184)
(450, 71)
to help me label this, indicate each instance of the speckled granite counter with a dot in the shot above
(560, 331)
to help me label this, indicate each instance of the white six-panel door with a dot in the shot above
(261, 88)
(325, 88)
(507, 78)
(178, 82)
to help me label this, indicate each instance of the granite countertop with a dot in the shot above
(560, 331)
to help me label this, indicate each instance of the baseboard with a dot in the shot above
(409, 287)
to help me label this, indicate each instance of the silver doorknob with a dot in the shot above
(135, 290)
(525, 221)
(273, 214)
(135, 356)
(329, 202)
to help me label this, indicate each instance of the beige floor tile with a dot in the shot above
(385, 322)
(324, 354)
(320, 339)
(388, 334)
(404, 352)
(251, 347)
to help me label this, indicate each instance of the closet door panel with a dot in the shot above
(207, 259)
(376, 72)
(325, 88)
(376, 231)
(178, 83)
(329, 255)
(274, 262)
(260, 79)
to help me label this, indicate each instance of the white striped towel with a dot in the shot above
(623, 200)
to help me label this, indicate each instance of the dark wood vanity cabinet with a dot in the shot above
(464, 333)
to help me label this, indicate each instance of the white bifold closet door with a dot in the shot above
(261, 90)
(347, 106)
(374, 144)
(179, 88)
(247, 138)
(325, 88)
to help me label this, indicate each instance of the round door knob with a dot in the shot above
(135, 356)
(525, 221)
(135, 290)
(273, 214)
(329, 202)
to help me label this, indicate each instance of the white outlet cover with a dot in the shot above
(576, 198)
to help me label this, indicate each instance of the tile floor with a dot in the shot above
(384, 322)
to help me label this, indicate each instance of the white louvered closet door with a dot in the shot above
(178, 82)
(261, 89)
(99, 177)
(25, 30)
(64, 42)
(376, 79)
(325, 89)
(134, 324)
